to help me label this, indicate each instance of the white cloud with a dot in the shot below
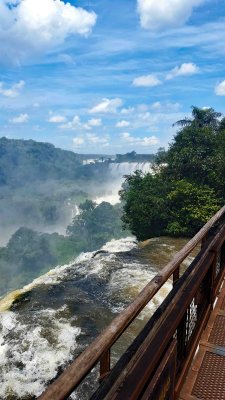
(147, 80)
(57, 119)
(128, 110)
(220, 89)
(122, 124)
(76, 123)
(183, 70)
(165, 107)
(12, 91)
(145, 116)
(20, 119)
(78, 141)
(34, 27)
(145, 141)
(125, 136)
(95, 139)
(164, 14)
(107, 106)
(72, 125)
(95, 122)
(91, 140)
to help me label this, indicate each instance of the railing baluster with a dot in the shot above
(104, 365)
(176, 275)
(213, 279)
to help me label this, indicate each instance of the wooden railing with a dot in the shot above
(168, 341)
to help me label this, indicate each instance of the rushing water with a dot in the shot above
(46, 324)
(117, 173)
(49, 322)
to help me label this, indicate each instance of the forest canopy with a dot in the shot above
(188, 183)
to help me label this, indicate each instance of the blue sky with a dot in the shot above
(96, 76)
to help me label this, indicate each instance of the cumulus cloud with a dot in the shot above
(94, 122)
(164, 14)
(20, 119)
(91, 140)
(72, 125)
(145, 141)
(128, 110)
(122, 124)
(57, 119)
(183, 70)
(12, 91)
(76, 123)
(107, 106)
(78, 141)
(220, 89)
(147, 80)
(30, 27)
(95, 139)
(157, 106)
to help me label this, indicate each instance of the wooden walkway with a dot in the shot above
(206, 377)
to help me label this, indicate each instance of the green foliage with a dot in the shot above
(37, 181)
(29, 253)
(192, 155)
(144, 204)
(201, 117)
(28, 161)
(188, 185)
(190, 206)
(95, 225)
(26, 248)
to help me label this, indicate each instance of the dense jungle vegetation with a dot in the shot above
(188, 184)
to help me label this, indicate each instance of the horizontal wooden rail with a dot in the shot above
(62, 387)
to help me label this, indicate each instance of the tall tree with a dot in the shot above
(188, 185)
(201, 117)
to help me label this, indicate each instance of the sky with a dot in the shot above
(108, 77)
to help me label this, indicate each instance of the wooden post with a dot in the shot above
(176, 275)
(104, 365)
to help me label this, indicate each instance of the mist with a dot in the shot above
(55, 205)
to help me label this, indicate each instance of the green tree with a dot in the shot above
(192, 155)
(188, 185)
(190, 206)
(144, 198)
(201, 117)
(95, 225)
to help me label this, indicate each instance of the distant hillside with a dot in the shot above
(40, 185)
(28, 161)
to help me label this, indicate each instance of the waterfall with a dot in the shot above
(126, 168)
(117, 173)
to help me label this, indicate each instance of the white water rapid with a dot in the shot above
(58, 314)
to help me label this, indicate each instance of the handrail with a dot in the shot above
(64, 385)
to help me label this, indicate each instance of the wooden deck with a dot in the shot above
(206, 377)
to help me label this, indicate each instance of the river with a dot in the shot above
(50, 321)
